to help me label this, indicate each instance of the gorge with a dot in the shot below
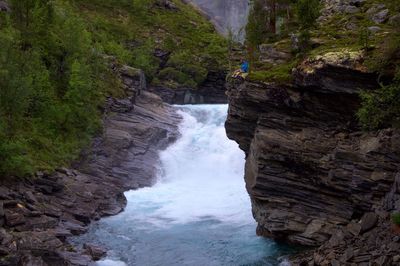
(197, 213)
(125, 140)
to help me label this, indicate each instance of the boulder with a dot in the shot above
(94, 251)
(368, 221)
(381, 16)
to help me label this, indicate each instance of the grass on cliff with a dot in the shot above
(54, 75)
(345, 32)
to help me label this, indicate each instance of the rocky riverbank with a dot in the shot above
(314, 177)
(37, 215)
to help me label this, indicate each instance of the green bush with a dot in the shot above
(396, 218)
(380, 108)
(173, 74)
(193, 70)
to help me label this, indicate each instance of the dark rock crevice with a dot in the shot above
(211, 91)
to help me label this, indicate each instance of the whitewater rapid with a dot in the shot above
(198, 212)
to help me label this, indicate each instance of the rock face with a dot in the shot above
(212, 91)
(310, 170)
(38, 215)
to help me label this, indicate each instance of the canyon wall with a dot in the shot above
(313, 175)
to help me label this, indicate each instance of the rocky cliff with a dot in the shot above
(313, 175)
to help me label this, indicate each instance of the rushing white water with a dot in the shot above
(198, 213)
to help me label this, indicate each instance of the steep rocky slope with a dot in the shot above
(314, 176)
(37, 216)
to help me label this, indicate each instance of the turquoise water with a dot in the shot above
(198, 213)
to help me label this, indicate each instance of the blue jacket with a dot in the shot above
(244, 66)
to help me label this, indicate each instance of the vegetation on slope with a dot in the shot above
(291, 30)
(54, 75)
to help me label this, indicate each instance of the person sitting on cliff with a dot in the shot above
(242, 72)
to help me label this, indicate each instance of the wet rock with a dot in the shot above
(74, 227)
(74, 259)
(368, 221)
(94, 251)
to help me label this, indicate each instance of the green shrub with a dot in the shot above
(380, 108)
(173, 74)
(396, 218)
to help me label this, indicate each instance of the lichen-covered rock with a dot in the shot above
(341, 71)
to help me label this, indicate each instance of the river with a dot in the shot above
(198, 212)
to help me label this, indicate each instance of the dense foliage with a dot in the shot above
(54, 78)
(381, 108)
(50, 80)
(133, 29)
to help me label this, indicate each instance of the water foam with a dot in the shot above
(202, 175)
(198, 213)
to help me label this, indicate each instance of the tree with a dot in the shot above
(307, 13)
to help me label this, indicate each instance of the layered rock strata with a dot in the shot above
(310, 170)
(38, 215)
